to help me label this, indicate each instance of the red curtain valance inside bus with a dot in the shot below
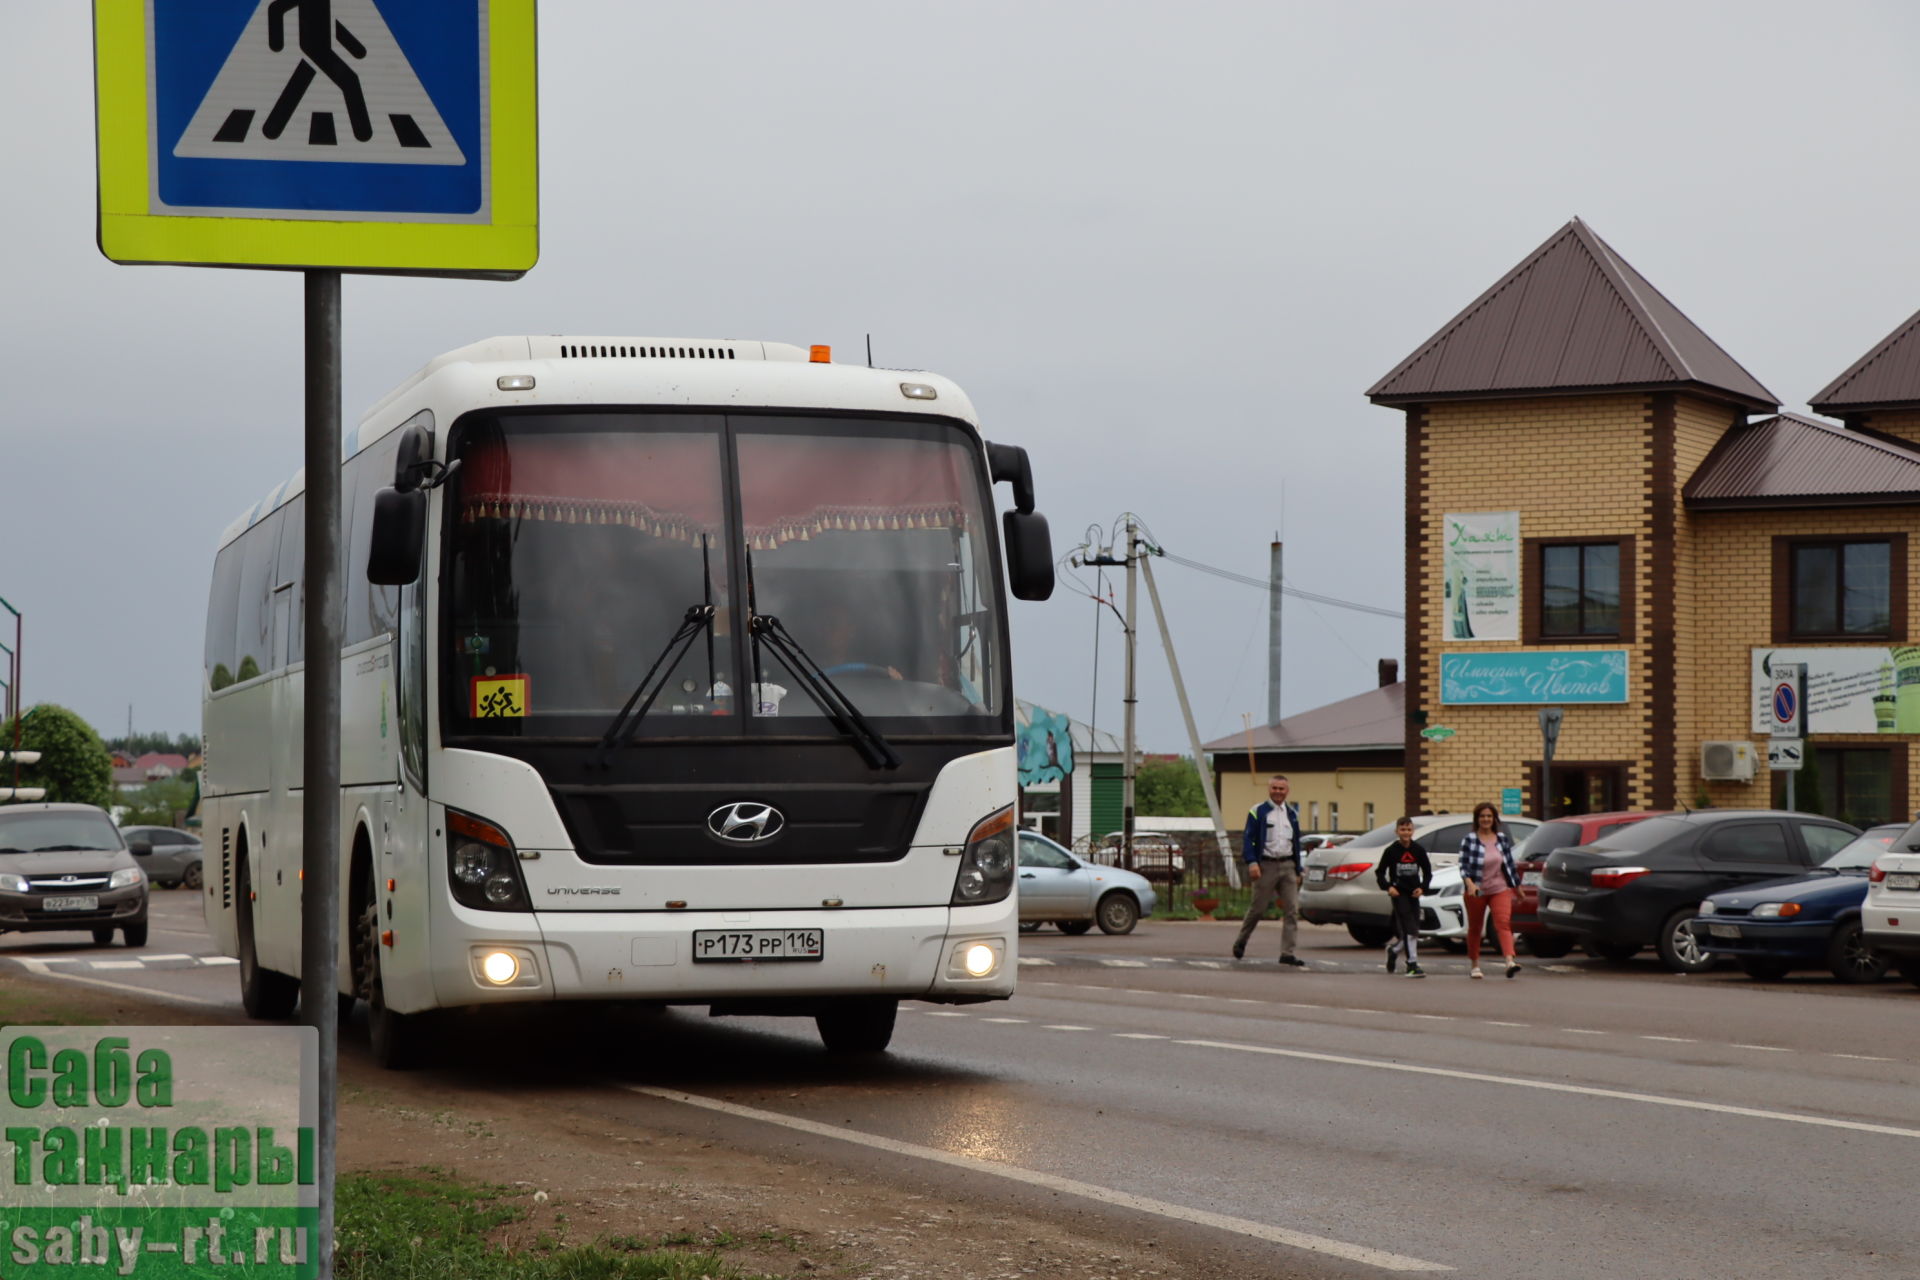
(669, 485)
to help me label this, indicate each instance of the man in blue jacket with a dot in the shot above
(1270, 846)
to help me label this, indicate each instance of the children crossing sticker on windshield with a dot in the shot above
(495, 697)
(159, 1151)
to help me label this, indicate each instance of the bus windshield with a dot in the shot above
(577, 542)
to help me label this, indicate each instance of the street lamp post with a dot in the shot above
(14, 691)
(10, 709)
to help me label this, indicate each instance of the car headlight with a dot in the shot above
(1774, 910)
(986, 864)
(12, 883)
(1707, 908)
(482, 866)
(123, 877)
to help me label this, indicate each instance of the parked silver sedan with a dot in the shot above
(1075, 895)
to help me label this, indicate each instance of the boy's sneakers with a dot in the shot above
(1293, 961)
(1393, 954)
(1415, 971)
(1239, 951)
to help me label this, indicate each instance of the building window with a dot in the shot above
(1841, 588)
(1577, 590)
(1313, 815)
(1860, 785)
(1368, 811)
(1333, 815)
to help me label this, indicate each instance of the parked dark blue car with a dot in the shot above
(1805, 922)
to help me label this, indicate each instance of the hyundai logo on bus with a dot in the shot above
(746, 822)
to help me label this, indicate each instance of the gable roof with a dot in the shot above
(1885, 377)
(1791, 461)
(1572, 317)
(1372, 721)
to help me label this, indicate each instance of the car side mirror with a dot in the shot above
(1029, 554)
(139, 848)
(399, 536)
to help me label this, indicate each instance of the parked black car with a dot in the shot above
(1643, 884)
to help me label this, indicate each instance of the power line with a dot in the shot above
(1296, 592)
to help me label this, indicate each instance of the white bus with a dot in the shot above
(672, 671)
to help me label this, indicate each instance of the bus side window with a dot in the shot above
(371, 610)
(223, 603)
(292, 568)
(253, 625)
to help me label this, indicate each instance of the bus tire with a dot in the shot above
(267, 996)
(398, 1040)
(857, 1025)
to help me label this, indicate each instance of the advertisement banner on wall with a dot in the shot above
(1856, 689)
(1482, 564)
(1505, 679)
(1044, 740)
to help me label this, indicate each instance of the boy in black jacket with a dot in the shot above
(1406, 873)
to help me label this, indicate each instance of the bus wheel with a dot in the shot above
(266, 995)
(857, 1025)
(398, 1040)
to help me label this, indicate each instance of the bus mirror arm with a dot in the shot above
(1007, 463)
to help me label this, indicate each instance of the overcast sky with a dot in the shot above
(1165, 246)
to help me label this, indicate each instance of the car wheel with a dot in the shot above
(1910, 970)
(135, 934)
(399, 1040)
(857, 1025)
(1074, 928)
(1765, 970)
(1850, 959)
(1369, 935)
(1548, 946)
(1679, 950)
(1117, 913)
(1618, 952)
(265, 995)
(103, 937)
(192, 878)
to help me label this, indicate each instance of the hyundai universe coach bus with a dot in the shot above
(672, 671)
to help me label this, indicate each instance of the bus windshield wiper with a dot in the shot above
(627, 723)
(839, 708)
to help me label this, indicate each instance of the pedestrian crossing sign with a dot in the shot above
(363, 135)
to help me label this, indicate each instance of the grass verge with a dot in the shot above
(427, 1225)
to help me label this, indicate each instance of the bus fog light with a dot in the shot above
(979, 959)
(496, 966)
(500, 968)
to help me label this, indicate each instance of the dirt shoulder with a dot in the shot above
(591, 1168)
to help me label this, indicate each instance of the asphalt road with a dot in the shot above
(1581, 1120)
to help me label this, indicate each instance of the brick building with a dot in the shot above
(1607, 513)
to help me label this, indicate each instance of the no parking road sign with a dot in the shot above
(361, 135)
(1787, 700)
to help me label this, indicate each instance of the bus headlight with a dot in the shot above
(986, 865)
(482, 866)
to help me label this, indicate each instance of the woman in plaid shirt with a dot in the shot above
(1490, 884)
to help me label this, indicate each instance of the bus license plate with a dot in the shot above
(758, 944)
(88, 903)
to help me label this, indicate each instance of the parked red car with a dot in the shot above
(1531, 859)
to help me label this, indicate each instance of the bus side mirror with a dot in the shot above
(1008, 463)
(399, 536)
(1029, 554)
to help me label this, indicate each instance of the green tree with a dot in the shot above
(74, 766)
(155, 804)
(1169, 789)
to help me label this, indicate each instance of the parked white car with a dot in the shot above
(1075, 894)
(1340, 888)
(1890, 916)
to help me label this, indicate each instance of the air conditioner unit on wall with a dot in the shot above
(1727, 761)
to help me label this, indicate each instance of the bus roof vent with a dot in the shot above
(571, 348)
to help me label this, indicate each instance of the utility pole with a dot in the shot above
(1273, 630)
(18, 648)
(1193, 732)
(1126, 791)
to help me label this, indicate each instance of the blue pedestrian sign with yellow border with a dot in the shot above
(362, 135)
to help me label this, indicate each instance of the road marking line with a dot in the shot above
(1860, 1057)
(1521, 1082)
(1763, 1048)
(116, 964)
(1243, 1000)
(168, 957)
(1161, 959)
(218, 960)
(1035, 960)
(40, 967)
(1671, 1039)
(1189, 995)
(1136, 1035)
(946, 1013)
(1063, 1026)
(1507, 1024)
(1432, 1017)
(1003, 1019)
(1124, 964)
(1582, 1031)
(1068, 1186)
(1208, 964)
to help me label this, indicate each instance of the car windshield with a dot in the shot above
(1859, 855)
(1639, 837)
(43, 832)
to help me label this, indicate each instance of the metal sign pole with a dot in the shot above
(320, 828)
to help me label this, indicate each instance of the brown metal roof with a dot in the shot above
(1886, 377)
(1791, 461)
(1372, 721)
(1573, 316)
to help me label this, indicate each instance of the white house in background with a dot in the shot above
(1091, 805)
